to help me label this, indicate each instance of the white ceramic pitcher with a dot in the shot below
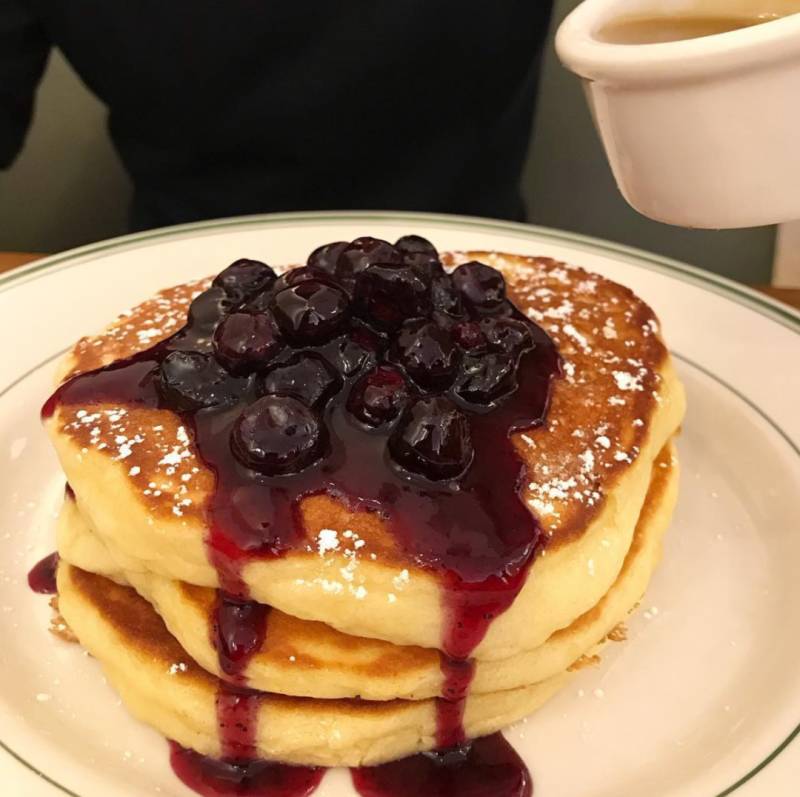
(701, 132)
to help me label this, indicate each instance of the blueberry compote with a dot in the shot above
(373, 376)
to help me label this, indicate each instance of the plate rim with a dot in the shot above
(716, 283)
(738, 293)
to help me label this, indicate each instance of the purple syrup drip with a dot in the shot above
(238, 633)
(486, 767)
(211, 777)
(42, 576)
(237, 720)
(457, 677)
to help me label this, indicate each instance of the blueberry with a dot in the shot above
(446, 300)
(278, 435)
(389, 294)
(310, 312)
(469, 336)
(363, 252)
(421, 255)
(306, 376)
(426, 267)
(355, 350)
(189, 380)
(484, 378)
(297, 275)
(415, 244)
(378, 396)
(247, 342)
(482, 287)
(324, 259)
(260, 303)
(208, 309)
(426, 352)
(504, 309)
(244, 278)
(509, 335)
(432, 440)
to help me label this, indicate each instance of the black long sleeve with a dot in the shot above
(249, 106)
(23, 54)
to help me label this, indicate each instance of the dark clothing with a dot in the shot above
(248, 106)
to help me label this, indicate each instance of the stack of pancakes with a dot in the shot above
(351, 670)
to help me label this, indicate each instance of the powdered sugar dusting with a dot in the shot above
(611, 354)
(160, 460)
(136, 329)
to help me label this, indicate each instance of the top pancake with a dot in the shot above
(139, 481)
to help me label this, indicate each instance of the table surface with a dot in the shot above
(9, 260)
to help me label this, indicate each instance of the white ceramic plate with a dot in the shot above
(703, 700)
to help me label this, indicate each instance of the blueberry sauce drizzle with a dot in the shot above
(237, 718)
(485, 767)
(42, 576)
(210, 777)
(457, 677)
(440, 468)
(238, 632)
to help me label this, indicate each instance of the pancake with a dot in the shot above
(140, 483)
(163, 687)
(306, 658)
